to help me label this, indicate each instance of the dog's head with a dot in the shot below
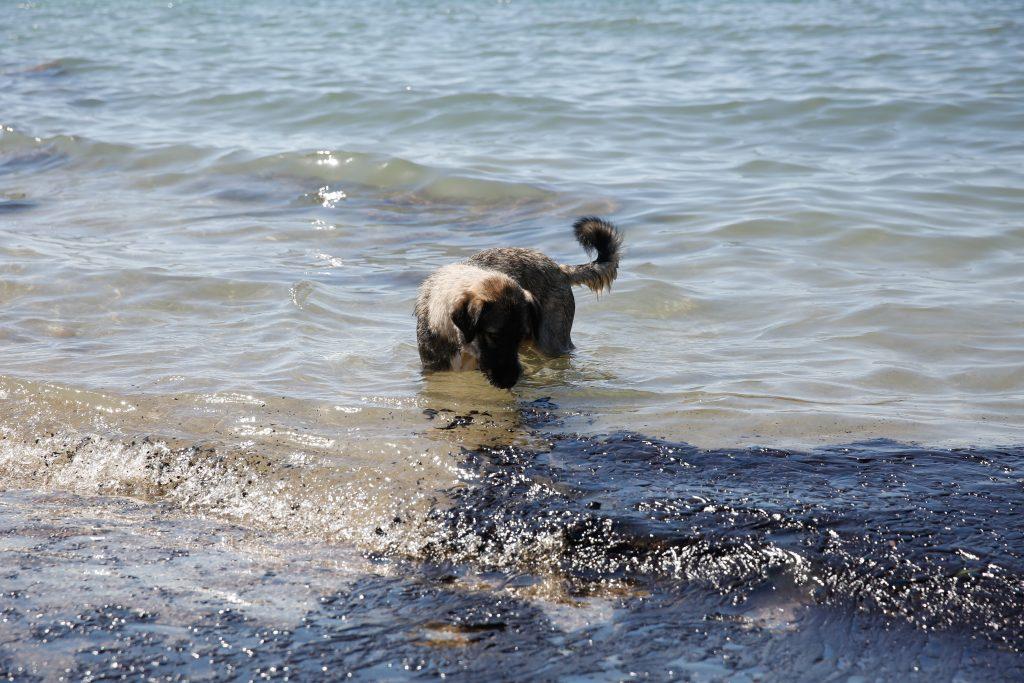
(497, 317)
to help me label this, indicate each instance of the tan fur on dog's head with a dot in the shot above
(496, 315)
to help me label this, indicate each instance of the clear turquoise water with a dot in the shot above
(214, 217)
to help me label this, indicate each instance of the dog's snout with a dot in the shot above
(506, 378)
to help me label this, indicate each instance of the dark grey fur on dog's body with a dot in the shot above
(542, 277)
(486, 307)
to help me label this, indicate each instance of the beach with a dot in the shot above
(789, 442)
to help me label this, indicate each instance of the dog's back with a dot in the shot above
(549, 284)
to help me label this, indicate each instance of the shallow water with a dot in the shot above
(213, 220)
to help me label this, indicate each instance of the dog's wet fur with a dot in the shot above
(478, 313)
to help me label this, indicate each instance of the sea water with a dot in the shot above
(797, 415)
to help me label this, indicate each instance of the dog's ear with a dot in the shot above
(466, 316)
(533, 311)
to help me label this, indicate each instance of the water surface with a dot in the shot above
(214, 217)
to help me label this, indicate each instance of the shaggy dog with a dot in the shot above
(476, 314)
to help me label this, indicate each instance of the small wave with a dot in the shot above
(319, 501)
(772, 167)
(23, 153)
(339, 169)
(20, 153)
(330, 175)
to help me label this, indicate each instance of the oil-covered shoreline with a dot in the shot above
(190, 599)
(611, 557)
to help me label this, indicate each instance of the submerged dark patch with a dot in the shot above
(458, 421)
(12, 205)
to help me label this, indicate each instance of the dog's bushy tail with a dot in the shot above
(596, 234)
